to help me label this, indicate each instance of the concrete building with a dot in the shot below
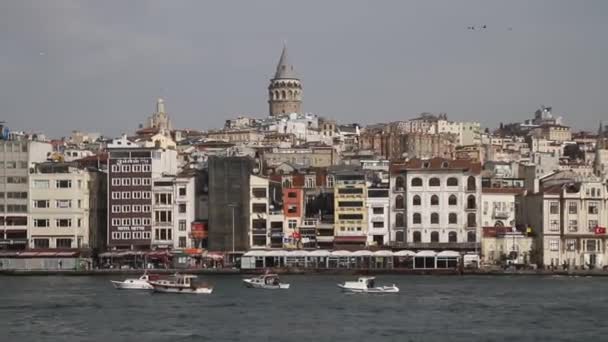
(504, 246)
(131, 170)
(229, 203)
(315, 156)
(266, 219)
(570, 220)
(558, 133)
(16, 159)
(350, 213)
(378, 215)
(285, 89)
(435, 204)
(67, 208)
(498, 207)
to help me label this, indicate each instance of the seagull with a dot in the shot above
(42, 53)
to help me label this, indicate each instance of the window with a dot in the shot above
(259, 208)
(572, 225)
(471, 220)
(181, 208)
(400, 236)
(256, 192)
(136, 181)
(471, 237)
(41, 184)
(399, 203)
(136, 208)
(330, 181)
(116, 222)
(378, 210)
(16, 195)
(125, 221)
(146, 195)
(554, 245)
(182, 242)
(416, 181)
(163, 216)
(63, 183)
(434, 200)
(434, 218)
(146, 221)
(79, 204)
(79, 223)
(452, 237)
(453, 218)
(115, 195)
(125, 235)
(572, 208)
(145, 208)
(126, 168)
(434, 236)
(417, 218)
(591, 246)
(434, 182)
(147, 235)
(309, 182)
(63, 223)
(399, 183)
(126, 181)
(292, 208)
(136, 221)
(41, 243)
(416, 200)
(115, 208)
(554, 208)
(292, 194)
(292, 224)
(182, 191)
(136, 194)
(115, 235)
(452, 200)
(471, 202)
(593, 208)
(126, 208)
(163, 198)
(452, 181)
(181, 225)
(571, 245)
(11, 165)
(400, 220)
(126, 195)
(145, 181)
(16, 180)
(64, 243)
(136, 168)
(63, 204)
(592, 224)
(146, 168)
(41, 223)
(471, 184)
(417, 236)
(115, 168)
(554, 225)
(378, 224)
(41, 204)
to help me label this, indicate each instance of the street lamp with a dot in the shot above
(232, 205)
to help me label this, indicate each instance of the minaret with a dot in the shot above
(160, 119)
(285, 89)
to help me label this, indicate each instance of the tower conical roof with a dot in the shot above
(285, 68)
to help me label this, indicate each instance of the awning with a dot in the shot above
(341, 253)
(404, 253)
(362, 253)
(426, 254)
(449, 254)
(383, 253)
(360, 239)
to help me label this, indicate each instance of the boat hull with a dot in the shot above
(131, 285)
(255, 285)
(183, 290)
(373, 290)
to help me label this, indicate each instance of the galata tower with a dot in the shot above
(285, 89)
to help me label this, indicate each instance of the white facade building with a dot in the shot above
(378, 217)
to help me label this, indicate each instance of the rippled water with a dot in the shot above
(448, 308)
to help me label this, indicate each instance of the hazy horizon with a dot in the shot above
(99, 66)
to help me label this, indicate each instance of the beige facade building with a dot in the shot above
(350, 208)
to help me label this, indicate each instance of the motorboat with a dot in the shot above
(367, 285)
(141, 283)
(181, 283)
(266, 281)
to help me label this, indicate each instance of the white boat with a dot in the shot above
(141, 283)
(180, 283)
(367, 285)
(266, 281)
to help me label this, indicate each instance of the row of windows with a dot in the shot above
(573, 225)
(435, 182)
(13, 180)
(59, 243)
(593, 208)
(130, 181)
(127, 208)
(131, 168)
(131, 235)
(59, 223)
(59, 184)
(13, 164)
(14, 208)
(60, 204)
(434, 200)
(452, 236)
(131, 195)
(15, 195)
(15, 146)
(434, 219)
(131, 221)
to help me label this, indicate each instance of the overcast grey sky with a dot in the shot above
(99, 65)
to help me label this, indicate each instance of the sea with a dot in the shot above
(428, 308)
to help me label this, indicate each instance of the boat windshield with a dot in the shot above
(370, 283)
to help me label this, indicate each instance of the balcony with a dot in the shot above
(500, 215)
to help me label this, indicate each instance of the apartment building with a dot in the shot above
(16, 158)
(350, 208)
(266, 219)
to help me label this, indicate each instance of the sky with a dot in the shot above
(99, 66)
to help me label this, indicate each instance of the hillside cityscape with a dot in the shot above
(294, 189)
